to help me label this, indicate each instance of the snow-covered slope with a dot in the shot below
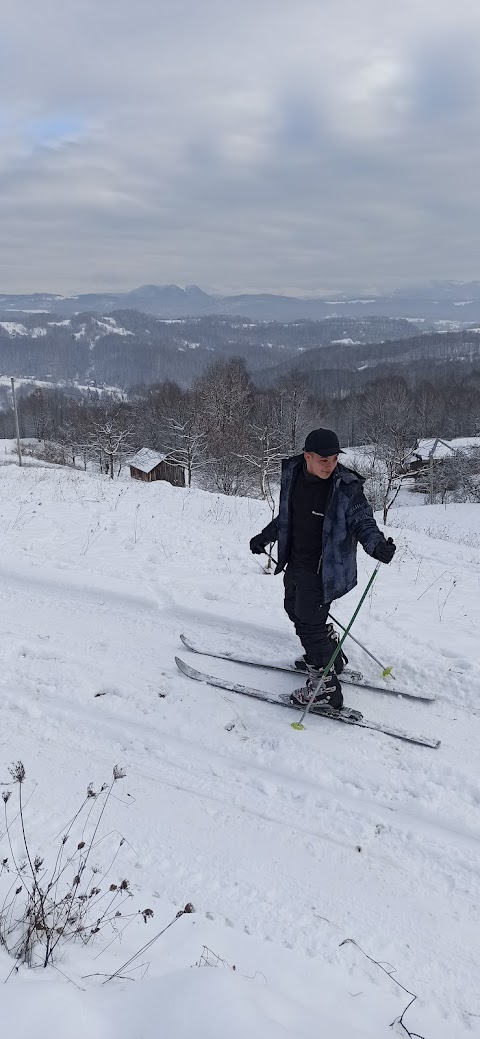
(286, 843)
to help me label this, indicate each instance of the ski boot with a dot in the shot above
(302, 663)
(329, 695)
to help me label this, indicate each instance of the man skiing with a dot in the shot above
(322, 515)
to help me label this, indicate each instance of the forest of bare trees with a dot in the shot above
(230, 435)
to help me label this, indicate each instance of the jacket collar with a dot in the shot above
(340, 474)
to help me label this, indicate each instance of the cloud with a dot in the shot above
(268, 145)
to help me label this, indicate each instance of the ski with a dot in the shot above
(348, 676)
(346, 716)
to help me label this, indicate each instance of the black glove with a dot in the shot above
(385, 550)
(257, 545)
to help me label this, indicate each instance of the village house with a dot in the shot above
(151, 465)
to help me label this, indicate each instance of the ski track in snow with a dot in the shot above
(301, 839)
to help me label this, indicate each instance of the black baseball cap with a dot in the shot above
(323, 442)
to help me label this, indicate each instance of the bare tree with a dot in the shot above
(292, 391)
(186, 444)
(152, 409)
(263, 455)
(75, 433)
(428, 408)
(352, 418)
(112, 437)
(225, 396)
(36, 416)
(389, 429)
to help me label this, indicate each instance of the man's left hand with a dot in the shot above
(384, 551)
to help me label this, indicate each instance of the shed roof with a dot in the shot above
(146, 459)
(442, 446)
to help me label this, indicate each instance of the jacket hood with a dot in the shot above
(349, 475)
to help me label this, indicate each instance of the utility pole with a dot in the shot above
(17, 431)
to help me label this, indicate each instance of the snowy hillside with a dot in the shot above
(127, 347)
(286, 843)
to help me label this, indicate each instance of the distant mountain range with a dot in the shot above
(440, 302)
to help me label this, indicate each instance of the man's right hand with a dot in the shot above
(384, 550)
(257, 545)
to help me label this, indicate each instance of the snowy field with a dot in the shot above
(287, 843)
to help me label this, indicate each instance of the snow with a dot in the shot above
(5, 380)
(456, 523)
(446, 325)
(14, 328)
(444, 446)
(110, 325)
(347, 342)
(222, 1003)
(287, 843)
(146, 460)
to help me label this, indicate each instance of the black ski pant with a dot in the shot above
(305, 607)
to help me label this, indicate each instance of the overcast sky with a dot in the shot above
(243, 145)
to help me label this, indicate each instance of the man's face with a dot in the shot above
(317, 465)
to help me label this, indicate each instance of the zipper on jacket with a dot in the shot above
(327, 509)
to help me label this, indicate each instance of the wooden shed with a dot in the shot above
(427, 452)
(150, 465)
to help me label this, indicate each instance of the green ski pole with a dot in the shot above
(299, 725)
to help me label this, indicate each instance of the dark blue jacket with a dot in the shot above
(348, 519)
